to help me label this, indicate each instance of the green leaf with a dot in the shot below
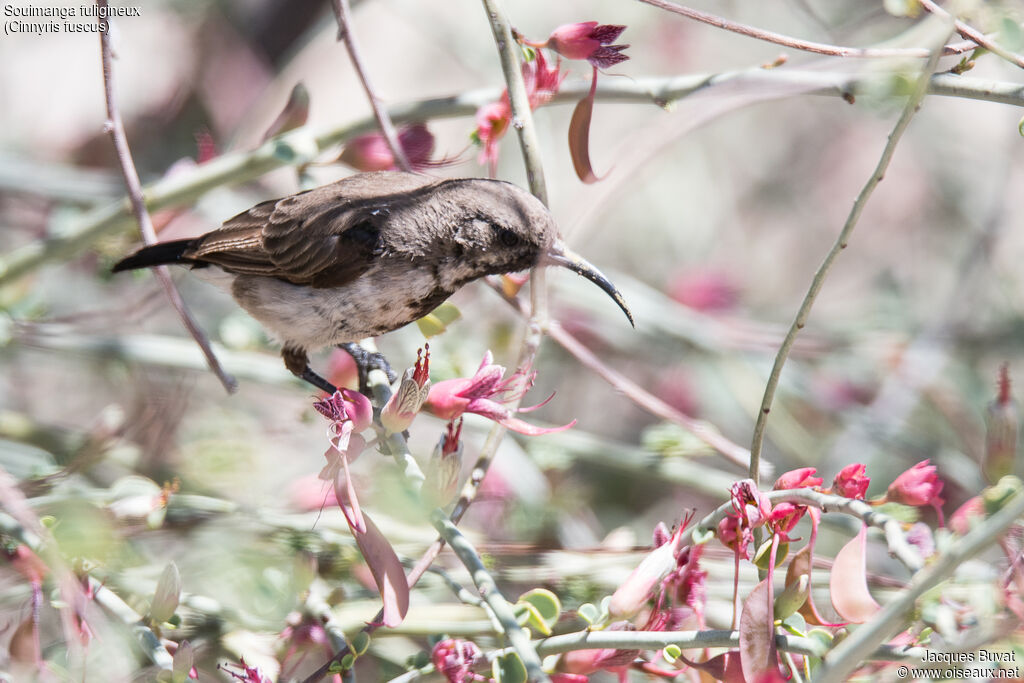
(792, 598)
(795, 624)
(546, 606)
(508, 668)
(671, 653)
(764, 553)
(1010, 34)
(438, 320)
(701, 537)
(360, 642)
(588, 613)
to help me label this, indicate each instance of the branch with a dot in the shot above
(849, 654)
(303, 145)
(807, 45)
(972, 34)
(842, 241)
(492, 596)
(344, 16)
(633, 391)
(687, 640)
(115, 126)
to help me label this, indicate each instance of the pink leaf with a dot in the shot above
(799, 565)
(579, 135)
(517, 425)
(758, 655)
(387, 572)
(849, 581)
(725, 667)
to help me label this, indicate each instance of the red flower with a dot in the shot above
(371, 152)
(484, 394)
(851, 481)
(590, 41)
(798, 479)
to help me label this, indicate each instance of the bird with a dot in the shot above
(368, 254)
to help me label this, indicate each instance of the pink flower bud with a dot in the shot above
(798, 479)
(917, 486)
(851, 481)
(590, 41)
(1002, 422)
(454, 659)
(400, 410)
(371, 152)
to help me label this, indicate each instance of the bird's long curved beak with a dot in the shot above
(561, 255)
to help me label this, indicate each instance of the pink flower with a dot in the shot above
(350, 412)
(798, 479)
(492, 120)
(485, 393)
(851, 481)
(454, 660)
(398, 413)
(370, 152)
(918, 486)
(752, 506)
(704, 289)
(784, 517)
(967, 515)
(590, 41)
(247, 674)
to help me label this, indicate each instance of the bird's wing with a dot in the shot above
(325, 237)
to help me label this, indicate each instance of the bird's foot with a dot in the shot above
(297, 363)
(367, 361)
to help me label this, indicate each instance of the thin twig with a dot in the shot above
(973, 34)
(827, 502)
(492, 596)
(303, 144)
(851, 652)
(807, 45)
(689, 640)
(343, 14)
(115, 126)
(913, 103)
(633, 391)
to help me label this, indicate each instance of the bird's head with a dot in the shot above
(505, 229)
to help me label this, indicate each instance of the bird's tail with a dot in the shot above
(161, 254)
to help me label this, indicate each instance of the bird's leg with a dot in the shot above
(367, 361)
(297, 363)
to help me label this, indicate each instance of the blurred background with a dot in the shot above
(712, 231)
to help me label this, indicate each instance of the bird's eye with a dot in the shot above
(507, 237)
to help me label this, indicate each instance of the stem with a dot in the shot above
(115, 126)
(849, 654)
(807, 45)
(343, 14)
(842, 241)
(484, 582)
(973, 34)
(290, 149)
